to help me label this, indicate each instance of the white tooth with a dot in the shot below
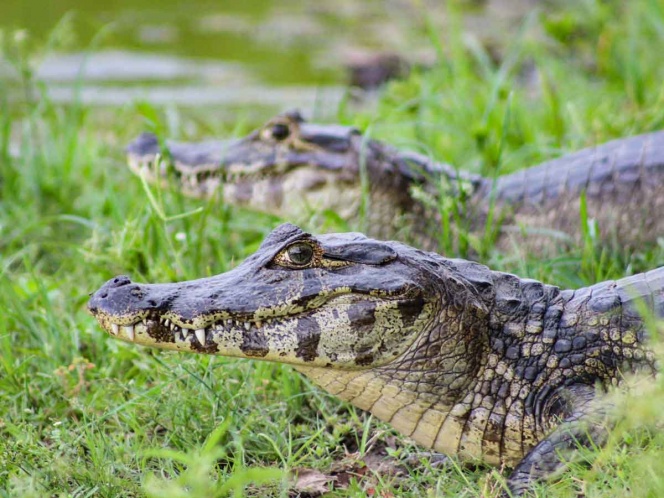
(185, 333)
(129, 331)
(115, 328)
(173, 326)
(259, 324)
(200, 335)
(167, 322)
(247, 325)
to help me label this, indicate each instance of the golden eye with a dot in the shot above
(280, 131)
(300, 254)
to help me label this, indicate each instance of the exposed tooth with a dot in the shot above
(185, 333)
(129, 331)
(166, 322)
(247, 325)
(115, 328)
(259, 324)
(200, 335)
(173, 326)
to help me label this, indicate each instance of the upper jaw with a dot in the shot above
(330, 147)
(163, 324)
(154, 326)
(233, 168)
(255, 291)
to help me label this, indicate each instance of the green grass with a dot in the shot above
(83, 415)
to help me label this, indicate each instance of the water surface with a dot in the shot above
(279, 54)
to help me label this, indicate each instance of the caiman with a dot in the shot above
(467, 361)
(292, 168)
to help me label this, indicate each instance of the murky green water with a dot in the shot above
(276, 53)
(263, 35)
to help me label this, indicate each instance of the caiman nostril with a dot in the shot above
(120, 280)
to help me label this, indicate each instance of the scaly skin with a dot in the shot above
(292, 169)
(462, 359)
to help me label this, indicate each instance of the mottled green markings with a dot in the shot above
(254, 344)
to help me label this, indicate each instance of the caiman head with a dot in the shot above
(293, 169)
(340, 300)
(288, 167)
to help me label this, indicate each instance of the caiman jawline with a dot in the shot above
(224, 320)
(228, 173)
(153, 320)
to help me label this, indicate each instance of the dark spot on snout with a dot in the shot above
(307, 346)
(160, 332)
(362, 314)
(254, 344)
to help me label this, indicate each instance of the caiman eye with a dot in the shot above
(279, 131)
(300, 254)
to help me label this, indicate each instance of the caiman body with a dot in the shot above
(294, 169)
(462, 359)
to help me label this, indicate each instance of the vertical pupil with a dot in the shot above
(300, 254)
(280, 131)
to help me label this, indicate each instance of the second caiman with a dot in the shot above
(292, 168)
(467, 361)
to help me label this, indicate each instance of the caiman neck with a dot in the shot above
(409, 194)
(427, 393)
(459, 388)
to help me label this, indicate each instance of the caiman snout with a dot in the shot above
(117, 297)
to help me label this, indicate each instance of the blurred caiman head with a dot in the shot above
(285, 167)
